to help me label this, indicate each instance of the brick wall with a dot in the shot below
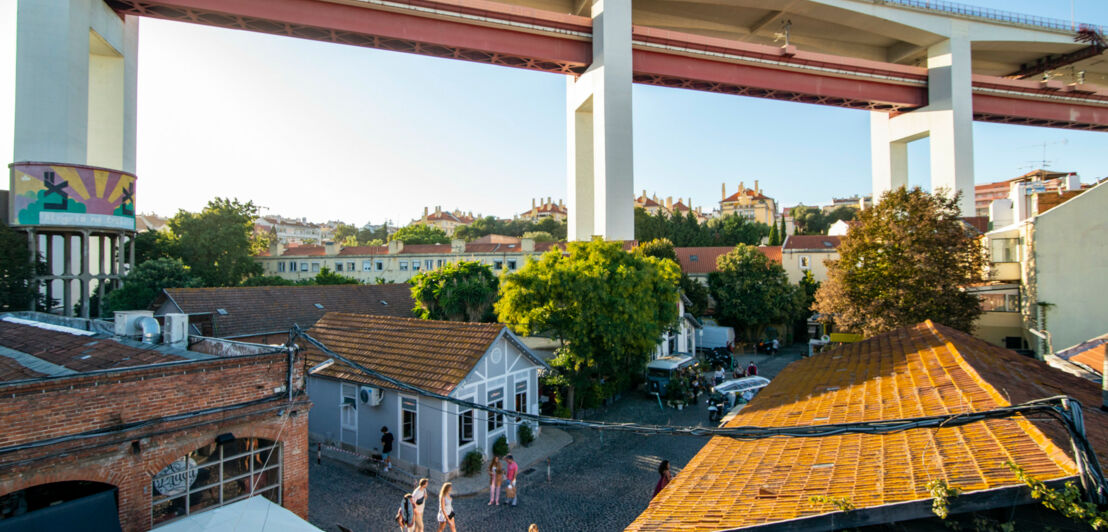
(37, 411)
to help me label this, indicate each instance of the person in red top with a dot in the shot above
(512, 470)
(664, 476)
(751, 370)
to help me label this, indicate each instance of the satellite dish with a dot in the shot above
(825, 338)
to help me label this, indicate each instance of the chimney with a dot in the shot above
(756, 191)
(527, 245)
(669, 203)
(559, 203)
(395, 246)
(724, 191)
(532, 203)
(689, 204)
(176, 331)
(330, 249)
(1072, 182)
(644, 193)
(438, 209)
(457, 245)
(741, 187)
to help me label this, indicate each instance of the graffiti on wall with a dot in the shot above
(47, 194)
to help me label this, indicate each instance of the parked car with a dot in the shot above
(660, 371)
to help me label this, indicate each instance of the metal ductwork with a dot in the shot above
(151, 331)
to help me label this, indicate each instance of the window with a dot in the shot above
(465, 425)
(348, 407)
(350, 266)
(498, 264)
(429, 264)
(511, 264)
(1004, 250)
(403, 265)
(292, 265)
(367, 266)
(693, 258)
(408, 420)
(496, 400)
(438, 263)
(315, 267)
(338, 266)
(521, 396)
(379, 265)
(280, 267)
(215, 475)
(804, 262)
(415, 265)
(303, 266)
(994, 302)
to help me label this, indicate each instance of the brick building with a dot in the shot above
(115, 434)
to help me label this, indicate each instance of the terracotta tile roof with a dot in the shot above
(425, 248)
(811, 242)
(305, 251)
(434, 355)
(474, 247)
(923, 370)
(703, 259)
(497, 239)
(1090, 353)
(263, 309)
(364, 250)
(748, 192)
(76, 352)
(645, 201)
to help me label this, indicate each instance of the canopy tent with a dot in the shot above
(255, 514)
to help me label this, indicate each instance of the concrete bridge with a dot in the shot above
(922, 68)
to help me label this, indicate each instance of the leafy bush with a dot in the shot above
(562, 411)
(500, 448)
(526, 435)
(472, 463)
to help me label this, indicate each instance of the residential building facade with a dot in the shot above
(544, 210)
(749, 203)
(699, 262)
(1040, 180)
(290, 231)
(801, 254)
(480, 363)
(447, 221)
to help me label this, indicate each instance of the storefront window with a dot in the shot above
(215, 475)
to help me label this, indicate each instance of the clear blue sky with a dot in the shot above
(338, 132)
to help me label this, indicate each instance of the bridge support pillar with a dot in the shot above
(947, 120)
(76, 80)
(599, 162)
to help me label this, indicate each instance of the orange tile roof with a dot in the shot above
(1090, 353)
(434, 355)
(811, 242)
(927, 369)
(305, 251)
(425, 248)
(364, 250)
(749, 192)
(493, 238)
(705, 257)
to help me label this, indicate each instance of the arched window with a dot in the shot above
(222, 472)
(60, 504)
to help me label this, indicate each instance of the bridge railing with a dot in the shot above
(993, 14)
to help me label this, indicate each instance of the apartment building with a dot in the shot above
(445, 220)
(750, 203)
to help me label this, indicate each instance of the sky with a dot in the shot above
(332, 132)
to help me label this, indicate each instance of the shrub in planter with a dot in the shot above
(526, 435)
(472, 463)
(500, 448)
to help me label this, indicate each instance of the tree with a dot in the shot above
(842, 212)
(539, 236)
(218, 244)
(607, 307)
(734, 230)
(151, 245)
(461, 291)
(809, 220)
(751, 291)
(659, 248)
(18, 289)
(697, 293)
(326, 277)
(774, 236)
(267, 280)
(343, 232)
(909, 259)
(146, 281)
(420, 234)
(366, 235)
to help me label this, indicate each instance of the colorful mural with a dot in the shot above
(47, 194)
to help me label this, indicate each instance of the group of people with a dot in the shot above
(410, 514)
(497, 472)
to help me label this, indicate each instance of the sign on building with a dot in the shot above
(66, 195)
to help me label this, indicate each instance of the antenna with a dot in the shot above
(1043, 163)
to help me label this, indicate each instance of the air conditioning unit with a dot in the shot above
(370, 396)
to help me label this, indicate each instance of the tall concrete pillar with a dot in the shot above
(947, 120)
(599, 145)
(76, 81)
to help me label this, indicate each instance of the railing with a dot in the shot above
(993, 14)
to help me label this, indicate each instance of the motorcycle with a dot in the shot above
(717, 405)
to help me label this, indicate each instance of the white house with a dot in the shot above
(478, 362)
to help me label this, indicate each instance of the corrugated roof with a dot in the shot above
(263, 309)
(434, 355)
(811, 242)
(703, 259)
(915, 371)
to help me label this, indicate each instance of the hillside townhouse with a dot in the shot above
(447, 221)
(749, 203)
(547, 209)
(806, 253)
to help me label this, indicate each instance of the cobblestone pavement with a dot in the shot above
(599, 482)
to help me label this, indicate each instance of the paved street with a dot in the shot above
(599, 482)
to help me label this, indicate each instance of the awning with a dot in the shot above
(255, 514)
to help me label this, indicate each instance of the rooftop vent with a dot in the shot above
(221, 311)
(318, 306)
(828, 244)
(692, 258)
(385, 303)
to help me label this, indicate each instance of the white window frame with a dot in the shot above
(367, 265)
(489, 433)
(403, 265)
(400, 421)
(379, 265)
(805, 262)
(315, 267)
(473, 422)
(348, 391)
(303, 266)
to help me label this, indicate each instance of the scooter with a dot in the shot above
(717, 404)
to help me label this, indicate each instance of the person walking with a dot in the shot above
(718, 375)
(496, 478)
(775, 346)
(533, 528)
(446, 508)
(419, 501)
(513, 489)
(405, 515)
(386, 447)
(664, 477)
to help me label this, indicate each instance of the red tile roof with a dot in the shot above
(1090, 353)
(434, 355)
(264, 309)
(497, 239)
(811, 242)
(76, 352)
(703, 259)
(426, 248)
(364, 250)
(305, 251)
(748, 192)
(474, 247)
(647, 202)
(915, 371)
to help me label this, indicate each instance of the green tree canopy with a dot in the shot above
(460, 291)
(809, 220)
(420, 234)
(326, 276)
(774, 236)
(371, 237)
(909, 259)
(151, 245)
(697, 293)
(539, 236)
(490, 225)
(267, 280)
(659, 248)
(18, 290)
(686, 231)
(751, 291)
(343, 232)
(218, 244)
(146, 281)
(608, 308)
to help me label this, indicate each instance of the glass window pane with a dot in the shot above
(170, 509)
